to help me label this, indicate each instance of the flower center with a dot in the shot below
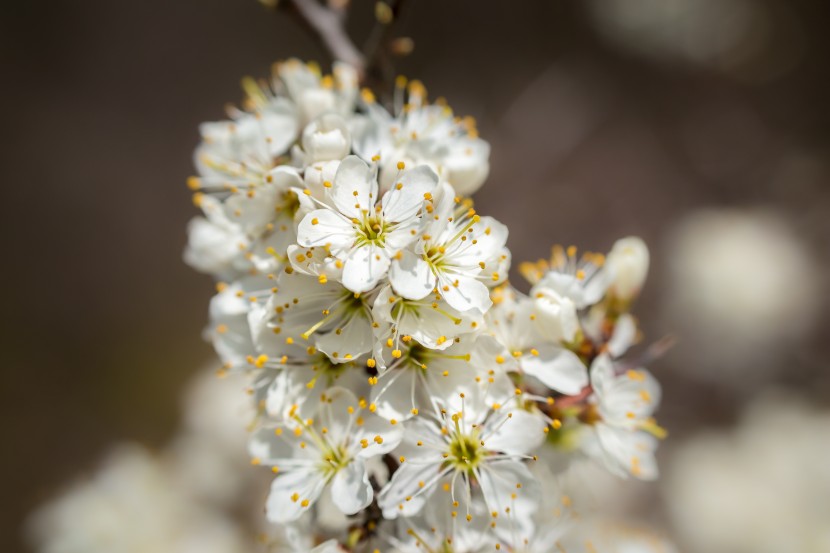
(372, 230)
(288, 204)
(465, 453)
(327, 372)
(334, 459)
(340, 313)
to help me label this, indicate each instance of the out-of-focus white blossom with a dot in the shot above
(743, 291)
(710, 32)
(132, 505)
(761, 487)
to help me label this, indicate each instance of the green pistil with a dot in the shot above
(289, 204)
(372, 230)
(465, 453)
(335, 459)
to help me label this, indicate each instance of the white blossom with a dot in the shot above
(527, 350)
(457, 255)
(623, 437)
(330, 449)
(400, 388)
(451, 449)
(423, 134)
(361, 229)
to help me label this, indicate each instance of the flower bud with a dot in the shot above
(326, 138)
(628, 266)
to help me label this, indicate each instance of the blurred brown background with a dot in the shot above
(606, 118)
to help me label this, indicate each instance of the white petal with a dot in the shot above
(557, 368)
(468, 165)
(406, 483)
(326, 138)
(365, 267)
(354, 340)
(374, 427)
(354, 184)
(283, 505)
(508, 484)
(556, 315)
(521, 434)
(338, 413)
(625, 332)
(212, 248)
(324, 227)
(602, 374)
(628, 452)
(411, 276)
(268, 447)
(350, 489)
(283, 393)
(394, 394)
(406, 198)
(464, 293)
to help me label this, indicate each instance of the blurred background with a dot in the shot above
(701, 125)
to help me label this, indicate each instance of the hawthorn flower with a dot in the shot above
(482, 445)
(329, 450)
(242, 151)
(314, 94)
(361, 232)
(249, 228)
(430, 321)
(304, 312)
(438, 528)
(564, 286)
(624, 434)
(423, 134)
(214, 243)
(229, 329)
(458, 253)
(526, 350)
(301, 384)
(417, 377)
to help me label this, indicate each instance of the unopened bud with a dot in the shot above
(628, 265)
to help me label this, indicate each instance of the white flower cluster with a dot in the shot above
(399, 380)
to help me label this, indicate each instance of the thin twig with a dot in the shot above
(380, 69)
(327, 22)
(328, 25)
